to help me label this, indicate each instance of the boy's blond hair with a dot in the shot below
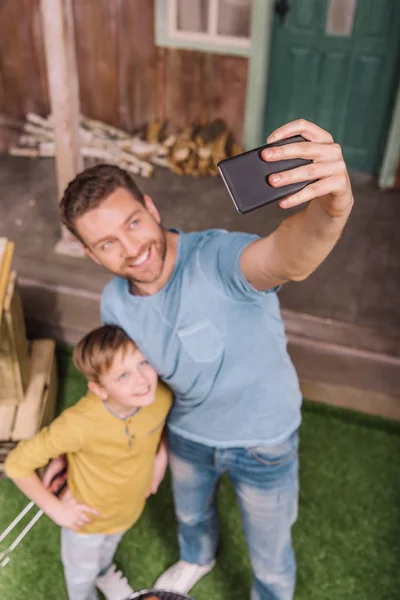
(94, 354)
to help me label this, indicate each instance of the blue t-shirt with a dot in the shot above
(217, 342)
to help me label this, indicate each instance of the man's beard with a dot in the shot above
(158, 252)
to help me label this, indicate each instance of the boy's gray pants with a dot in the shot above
(85, 556)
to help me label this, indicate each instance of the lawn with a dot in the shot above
(347, 538)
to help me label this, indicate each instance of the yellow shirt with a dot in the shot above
(110, 460)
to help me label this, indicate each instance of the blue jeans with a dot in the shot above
(265, 480)
(85, 556)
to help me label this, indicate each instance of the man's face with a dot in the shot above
(125, 237)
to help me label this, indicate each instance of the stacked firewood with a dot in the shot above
(196, 150)
(98, 141)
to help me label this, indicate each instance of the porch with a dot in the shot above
(343, 322)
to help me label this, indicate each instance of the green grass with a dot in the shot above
(347, 537)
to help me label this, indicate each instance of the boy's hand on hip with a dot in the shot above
(72, 514)
(332, 188)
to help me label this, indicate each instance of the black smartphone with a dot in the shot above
(246, 177)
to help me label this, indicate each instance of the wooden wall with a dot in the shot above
(125, 79)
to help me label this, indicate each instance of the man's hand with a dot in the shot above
(332, 187)
(160, 466)
(72, 514)
(50, 481)
(303, 240)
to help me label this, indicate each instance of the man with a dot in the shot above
(203, 309)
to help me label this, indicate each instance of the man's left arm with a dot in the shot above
(303, 240)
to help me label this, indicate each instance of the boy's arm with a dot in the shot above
(160, 465)
(67, 513)
(63, 435)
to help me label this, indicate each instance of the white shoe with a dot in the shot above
(113, 585)
(182, 576)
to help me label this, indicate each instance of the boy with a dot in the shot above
(116, 456)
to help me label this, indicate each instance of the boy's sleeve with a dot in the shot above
(63, 435)
(220, 261)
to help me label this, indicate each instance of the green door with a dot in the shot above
(340, 73)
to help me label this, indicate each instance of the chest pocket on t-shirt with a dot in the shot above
(202, 341)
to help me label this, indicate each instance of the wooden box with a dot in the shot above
(37, 409)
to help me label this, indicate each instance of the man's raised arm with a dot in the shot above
(303, 240)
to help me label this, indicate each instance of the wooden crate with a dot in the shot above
(14, 361)
(37, 409)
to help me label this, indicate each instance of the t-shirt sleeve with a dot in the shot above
(62, 435)
(106, 303)
(220, 261)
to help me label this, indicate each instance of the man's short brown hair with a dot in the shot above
(90, 188)
(95, 352)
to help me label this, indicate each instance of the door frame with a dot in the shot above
(257, 88)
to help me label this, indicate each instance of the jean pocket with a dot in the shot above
(275, 455)
(202, 341)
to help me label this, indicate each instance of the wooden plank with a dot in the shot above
(14, 360)
(16, 70)
(5, 272)
(9, 391)
(21, 67)
(7, 417)
(96, 49)
(38, 59)
(31, 410)
(3, 248)
(226, 91)
(138, 61)
(15, 322)
(183, 70)
(50, 398)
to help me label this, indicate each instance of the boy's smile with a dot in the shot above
(129, 383)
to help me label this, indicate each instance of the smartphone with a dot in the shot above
(246, 177)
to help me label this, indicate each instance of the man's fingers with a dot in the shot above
(308, 150)
(308, 130)
(336, 186)
(306, 173)
(54, 467)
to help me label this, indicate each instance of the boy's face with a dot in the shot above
(125, 237)
(130, 382)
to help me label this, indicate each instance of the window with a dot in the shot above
(211, 25)
(340, 17)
